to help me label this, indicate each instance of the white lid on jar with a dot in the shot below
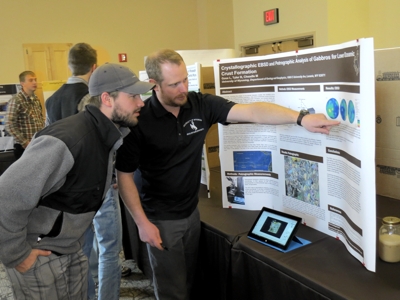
(391, 220)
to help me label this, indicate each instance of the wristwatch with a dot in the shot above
(303, 113)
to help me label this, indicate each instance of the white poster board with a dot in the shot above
(328, 181)
(7, 91)
(143, 77)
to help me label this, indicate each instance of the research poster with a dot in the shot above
(327, 180)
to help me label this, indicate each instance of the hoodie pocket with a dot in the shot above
(55, 230)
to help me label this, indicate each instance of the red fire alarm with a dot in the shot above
(123, 57)
(271, 16)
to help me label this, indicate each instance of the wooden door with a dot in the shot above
(48, 61)
(59, 61)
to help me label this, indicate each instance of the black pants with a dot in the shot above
(18, 151)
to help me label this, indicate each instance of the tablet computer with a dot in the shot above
(274, 228)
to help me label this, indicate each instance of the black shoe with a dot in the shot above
(125, 271)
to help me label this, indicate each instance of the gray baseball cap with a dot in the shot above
(113, 77)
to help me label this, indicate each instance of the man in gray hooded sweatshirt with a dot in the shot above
(49, 196)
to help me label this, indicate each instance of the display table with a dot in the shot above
(261, 272)
(323, 269)
(231, 266)
(220, 230)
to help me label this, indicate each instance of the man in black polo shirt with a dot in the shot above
(166, 147)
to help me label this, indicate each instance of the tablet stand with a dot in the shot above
(295, 243)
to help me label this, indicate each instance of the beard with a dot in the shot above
(177, 101)
(123, 119)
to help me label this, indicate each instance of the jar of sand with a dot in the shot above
(389, 240)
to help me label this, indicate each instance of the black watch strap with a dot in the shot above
(303, 113)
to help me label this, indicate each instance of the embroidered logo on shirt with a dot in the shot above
(193, 127)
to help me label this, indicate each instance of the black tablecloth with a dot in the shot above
(231, 266)
(261, 272)
(220, 229)
(323, 269)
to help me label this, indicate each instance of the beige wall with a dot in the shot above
(296, 18)
(135, 27)
(138, 27)
(384, 23)
(348, 20)
(332, 21)
(352, 19)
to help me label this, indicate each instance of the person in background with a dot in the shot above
(82, 61)
(49, 196)
(166, 147)
(105, 237)
(24, 113)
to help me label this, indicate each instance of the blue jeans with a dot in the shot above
(87, 249)
(108, 230)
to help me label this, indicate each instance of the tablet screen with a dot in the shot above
(274, 227)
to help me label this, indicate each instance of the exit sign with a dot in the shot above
(271, 16)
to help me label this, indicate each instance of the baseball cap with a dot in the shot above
(113, 77)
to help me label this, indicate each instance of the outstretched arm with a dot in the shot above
(273, 114)
(148, 232)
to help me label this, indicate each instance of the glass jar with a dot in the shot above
(389, 240)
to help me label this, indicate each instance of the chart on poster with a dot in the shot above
(327, 180)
